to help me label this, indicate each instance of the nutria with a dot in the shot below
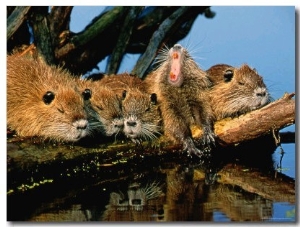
(140, 111)
(181, 87)
(236, 90)
(103, 107)
(42, 101)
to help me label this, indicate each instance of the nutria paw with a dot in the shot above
(191, 149)
(208, 138)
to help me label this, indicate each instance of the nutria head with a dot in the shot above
(241, 90)
(103, 107)
(178, 68)
(43, 101)
(141, 115)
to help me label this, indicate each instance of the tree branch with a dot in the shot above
(59, 19)
(123, 40)
(275, 116)
(15, 20)
(98, 27)
(156, 40)
(43, 38)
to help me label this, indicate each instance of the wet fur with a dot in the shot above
(185, 105)
(244, 92)
(28, 80)
(103, 108)
(140, 111)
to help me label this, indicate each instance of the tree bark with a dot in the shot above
(115, 58)
(15, 19)
(271, 118)
(156, 40)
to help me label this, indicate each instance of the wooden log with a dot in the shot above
(271, 118)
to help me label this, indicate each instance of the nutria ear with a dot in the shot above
(48, 97)
(95, 76)
(87, 94)
(228, 75)
(153, 98)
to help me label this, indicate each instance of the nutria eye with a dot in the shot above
(48, 97)
(153, 98)
(228, 75)
(87, 94)
(124, 94)
(241, 83)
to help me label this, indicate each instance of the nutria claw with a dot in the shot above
(189, 145)
(208, 138)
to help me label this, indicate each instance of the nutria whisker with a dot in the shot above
(236, 91)
(181, 87)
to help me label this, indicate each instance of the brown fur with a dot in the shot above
(236, 90)
(62, 119)
(216, 73)
(140, 111)
(103, 108)
(184, 102)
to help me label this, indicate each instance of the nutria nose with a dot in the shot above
(177, 47)
(131, 123)
(81, 124)
(260, 92)
(136, 201)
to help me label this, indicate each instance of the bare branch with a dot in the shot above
(275, 116)
(42, 34)
(156, 40)
(123, 40)
(97, 28)
(59, 21)
(15, 20)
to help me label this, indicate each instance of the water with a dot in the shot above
(133, 184)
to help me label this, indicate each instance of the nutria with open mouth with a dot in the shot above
(181, 87)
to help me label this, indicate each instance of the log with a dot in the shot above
(271, 118)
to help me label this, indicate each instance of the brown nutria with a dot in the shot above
(103, 107)
(42, 101)
(236, 90)
(140, 111)
(181, 87)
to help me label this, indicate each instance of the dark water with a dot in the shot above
(164, 187)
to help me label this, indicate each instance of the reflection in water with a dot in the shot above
(165, 188)
(140, 203)
(181, 198)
